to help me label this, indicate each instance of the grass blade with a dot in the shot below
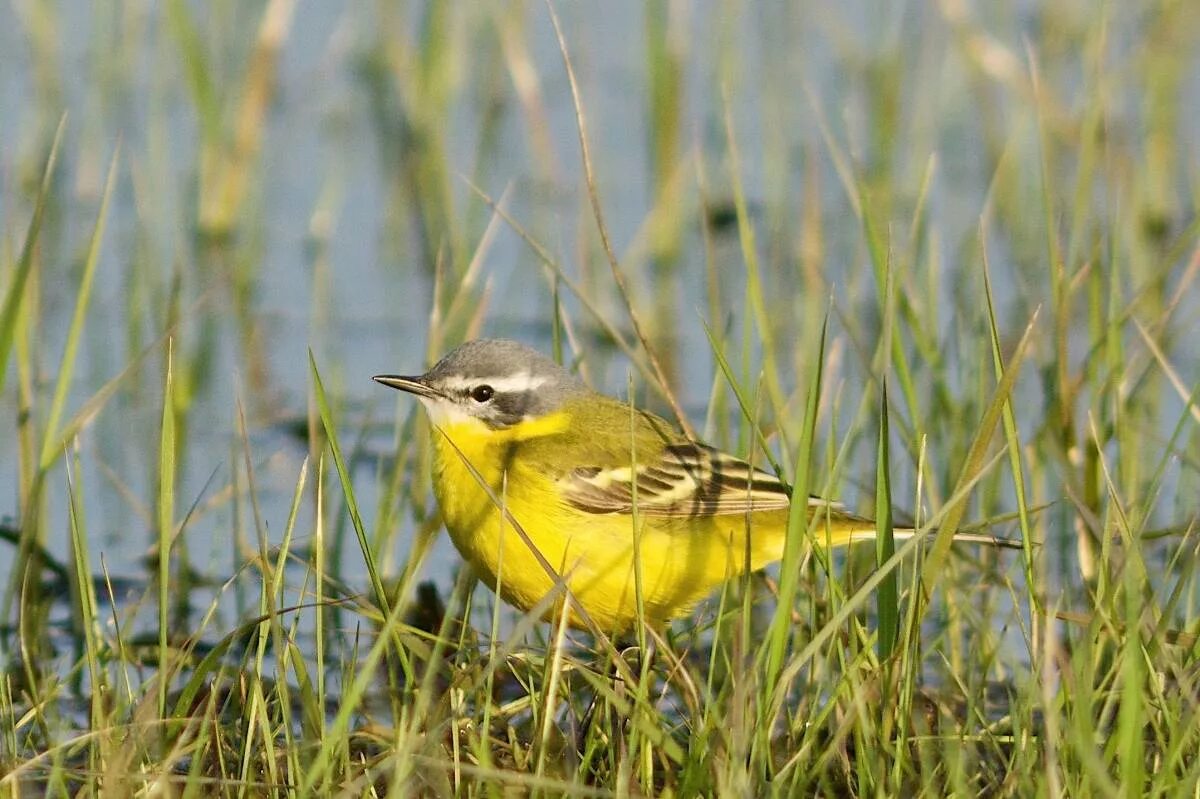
(16, 289)
(975, 461)
(377, 589)
(66, 368)
(166, 528)
(887, 599)
(798, 524)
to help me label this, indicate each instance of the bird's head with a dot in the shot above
(493, 382)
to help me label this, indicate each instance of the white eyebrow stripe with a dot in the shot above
(507, 384)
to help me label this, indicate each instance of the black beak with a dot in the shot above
(413, 385)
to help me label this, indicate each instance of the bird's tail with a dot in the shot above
(984, 539)
(850, 529)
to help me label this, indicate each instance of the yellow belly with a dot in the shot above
(681, 560)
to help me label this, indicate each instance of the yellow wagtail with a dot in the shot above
(574, 469)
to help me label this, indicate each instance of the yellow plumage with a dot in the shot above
(543, 482)
(683, 557)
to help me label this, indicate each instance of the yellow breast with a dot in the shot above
(681, 560)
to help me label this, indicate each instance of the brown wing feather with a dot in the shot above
(687, 480)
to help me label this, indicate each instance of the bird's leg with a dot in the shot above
(612, 673)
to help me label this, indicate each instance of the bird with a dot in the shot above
(544, 484)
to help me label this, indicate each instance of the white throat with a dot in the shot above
(446, 413)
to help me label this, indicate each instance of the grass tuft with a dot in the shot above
(942, 265)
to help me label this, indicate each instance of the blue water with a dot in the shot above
(121, 79)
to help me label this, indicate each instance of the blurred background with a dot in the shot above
(292, 176)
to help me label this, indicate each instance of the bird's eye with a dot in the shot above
(482, 394)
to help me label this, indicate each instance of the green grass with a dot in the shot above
(940, 263)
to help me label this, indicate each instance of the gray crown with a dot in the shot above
(485, 360)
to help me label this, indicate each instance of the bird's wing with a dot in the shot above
(684, 479)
